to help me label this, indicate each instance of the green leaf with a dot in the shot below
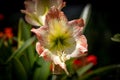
(31, 55)
(86, 15)
(19, 33)
(42, 73)
(99, 71)
(1, 42)
(24, 60)
(19, 51)
(24, 32)
(84, 69)
(116, 37)
(18, 70)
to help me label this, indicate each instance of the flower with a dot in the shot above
(60, 39)
(77, 63)
(8, 32)
(80, 62)
(36, 10)
(92, 59)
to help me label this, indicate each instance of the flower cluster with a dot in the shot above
(58, 39)
(77, 63)
(8, 33)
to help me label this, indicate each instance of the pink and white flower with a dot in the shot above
(60, 39)
(36, 10)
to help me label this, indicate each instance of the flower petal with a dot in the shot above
(39, 48)
(41, 7)
(77, 22)
(53, 14)
(30, 6)
(41, 33)
(57, 3)
(81, 48)
(78, 26)
(46, 54)
(31, 19)
(55, 59)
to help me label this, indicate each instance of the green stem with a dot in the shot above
(54, 77)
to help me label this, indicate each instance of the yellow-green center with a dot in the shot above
(59, 42)
(60, 37)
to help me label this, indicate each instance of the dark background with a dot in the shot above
(103, 24)
(108, 9)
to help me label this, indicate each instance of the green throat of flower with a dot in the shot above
(60, 37)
